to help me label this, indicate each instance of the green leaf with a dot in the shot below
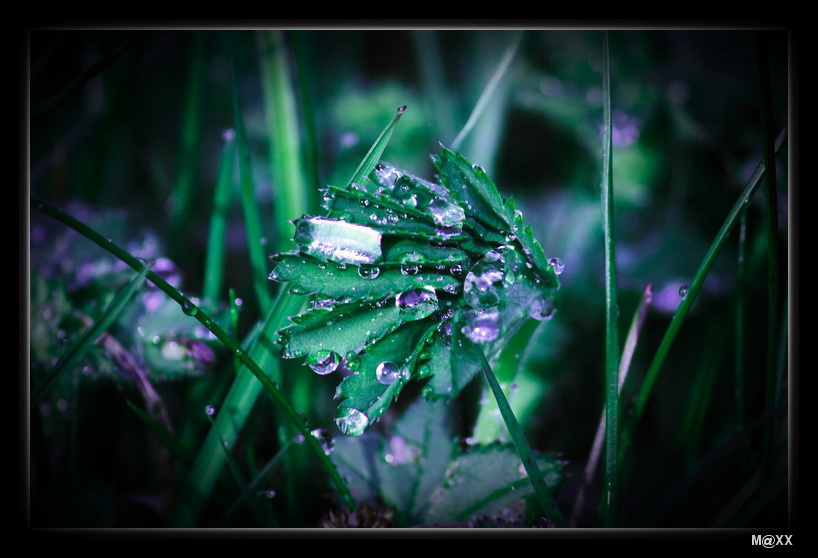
(399, 260)
(308, 275)
(417, 470)
(487, 482)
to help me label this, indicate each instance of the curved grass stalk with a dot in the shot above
(206, 461)
(488, 91)
(732, 220)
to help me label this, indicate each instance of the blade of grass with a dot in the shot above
(249, 389)
(78, 349)
(214, 258)
(433, 74)
(281, 114)
(376, 151)
(252, 218)
(188, 146)
(695, 286)
(611, 479)
(489, 90)
(624, 367)
(541, 490)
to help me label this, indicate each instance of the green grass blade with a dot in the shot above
(189, 144)
(732, 220)
(252, 218)
(281, 115)
(624, 367)
(248, 388)
(214, 259)
(488, 91)
(543, 493)
(376, 151)
(611, 483)
(433, 78)
(78, 349)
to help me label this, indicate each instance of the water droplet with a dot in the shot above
(323, 362)
(557, 265)
(683, 291)
(189, 308)
(352, 422)
(369, 271)
(542, 308)
(352, 363)
(269, 493)
(447, 216)
(325, 439)
(484, 281)
(417, 303)
(338, 240)
(409, 269)
(387, 372)
(482, 326)
(210, 410)
(412, 257)
(401, 109)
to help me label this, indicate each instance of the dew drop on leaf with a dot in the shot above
(210, 410)
(369, 271)
(417, 303)
(542, 308)
(483, 284)
(482, 326)
(683, 292)
(557, 265)
(387, 372)
(323, 362)
(352, 422)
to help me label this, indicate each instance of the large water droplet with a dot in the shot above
(484, 281)
(210, 410)
(447, 216)
(542, 308)
(387, 372)
(557, 265)
(417, 303)
(683, 291)
(369, 271)
(323, 362)
(189, 308)
(409, 269)
(352, 422)
(339, 241)
(482, 326)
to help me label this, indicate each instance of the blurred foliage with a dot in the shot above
(686, 138)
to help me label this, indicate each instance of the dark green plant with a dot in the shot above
(406, 275)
